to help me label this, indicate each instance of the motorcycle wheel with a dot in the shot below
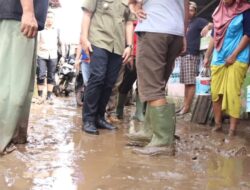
(56, 91)
(67, 93)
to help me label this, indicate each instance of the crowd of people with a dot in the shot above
(123, 42)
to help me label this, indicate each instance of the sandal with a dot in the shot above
(217, 128)
(179, 110)
(181, 113)
(10, 148)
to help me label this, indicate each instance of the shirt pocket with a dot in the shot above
(105, 6)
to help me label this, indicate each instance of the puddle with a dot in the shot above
(60, 156)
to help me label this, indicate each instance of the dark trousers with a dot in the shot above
(129, 78)
(46, 67)
(104, 69)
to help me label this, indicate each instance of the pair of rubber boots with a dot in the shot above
(139, 113)
(157, 133)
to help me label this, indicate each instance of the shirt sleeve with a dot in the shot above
(89, 5)
(246, 23)
(129, 16)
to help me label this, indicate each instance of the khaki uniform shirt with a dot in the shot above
(107, 28)
(48, 43)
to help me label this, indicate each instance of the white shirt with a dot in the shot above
(48, 43)
(163, 16)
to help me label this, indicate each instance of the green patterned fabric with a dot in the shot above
(17, 72)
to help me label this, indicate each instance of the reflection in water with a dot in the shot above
(52, 149)
(224, 173)
(63, 179)
(9, 177)
(59, 156)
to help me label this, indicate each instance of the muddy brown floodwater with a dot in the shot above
(59, 156)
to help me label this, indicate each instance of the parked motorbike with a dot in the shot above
(65, 77)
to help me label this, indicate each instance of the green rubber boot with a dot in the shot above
(163, 123)
(120, 105)
(139, 112)
(145, 133)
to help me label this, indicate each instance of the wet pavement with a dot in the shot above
(59, 156)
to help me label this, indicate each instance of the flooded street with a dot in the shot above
(59, 156)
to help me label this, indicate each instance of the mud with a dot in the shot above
(59, 156)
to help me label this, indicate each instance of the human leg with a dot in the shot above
(112, 103)
(41, 74)
(152, 81)
(85, 72)
(187, 76)
(113, 68)
(16, 76)
(51, 65)
(145, 132)
(127, 83)
(20, 135)
(231, 104)
(225, 90)
(217, 105)
(98, 70)
(233, 126)
(188, 99)
(140, 109)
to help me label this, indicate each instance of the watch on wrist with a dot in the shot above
(130, 46)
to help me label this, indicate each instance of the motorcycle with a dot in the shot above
(65, 77)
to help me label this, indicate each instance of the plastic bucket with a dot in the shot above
(203, 87)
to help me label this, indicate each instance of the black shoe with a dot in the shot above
(103, 124)
(90, 127)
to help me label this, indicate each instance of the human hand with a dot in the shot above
(205, 31)
(131, 64)
(206, 62)
(184, 46)
(29, 26)
(126, 55)
(140, 14)
(86, 46)
(230, 60)
(77, 66)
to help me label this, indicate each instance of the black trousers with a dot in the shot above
(104, 69)
(129, 78)
(46, 67)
